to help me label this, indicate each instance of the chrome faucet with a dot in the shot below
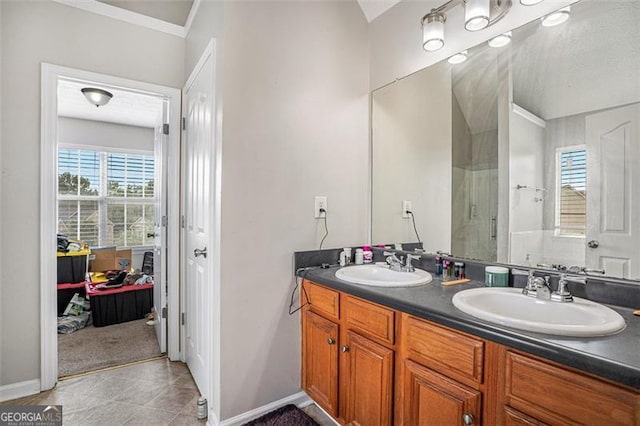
(563, 295)
(537, 287)
(543, 288)
(408, 267)
(395, 263)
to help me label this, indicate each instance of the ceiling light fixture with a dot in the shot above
(557, 17)
(478, 14)
(458, 58)
(530, 2)
(97, 97)
(501, 40)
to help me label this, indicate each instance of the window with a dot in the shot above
(106, 198)
(571, 204)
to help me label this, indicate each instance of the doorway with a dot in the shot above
(112, 194)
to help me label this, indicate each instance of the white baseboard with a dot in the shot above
(18, 390)
(300, 399)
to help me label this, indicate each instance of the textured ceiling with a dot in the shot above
(125, 107)
(173, 11)
(589, 63)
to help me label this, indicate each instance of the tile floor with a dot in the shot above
(156, 392)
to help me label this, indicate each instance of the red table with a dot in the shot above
(116, 305)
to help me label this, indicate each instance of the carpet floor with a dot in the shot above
(92, 348)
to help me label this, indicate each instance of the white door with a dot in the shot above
(159, 229)
(198, 211)
(613, 185)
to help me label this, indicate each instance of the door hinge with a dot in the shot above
(182, 221)
(184, 123)
(182, 318)
(165, 221)
(165, 128)
(164, 312)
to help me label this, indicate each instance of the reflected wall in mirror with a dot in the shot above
(526, 154)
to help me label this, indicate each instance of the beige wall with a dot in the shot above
(295, 126)
(411, 123)
(35, 32)
(104, 135)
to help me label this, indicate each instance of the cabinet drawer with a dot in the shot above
(454, 354)
(558, 396)
(323, 301)
(369, 319)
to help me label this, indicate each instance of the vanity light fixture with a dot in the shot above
(500, 40)
(529, 2)
(478, 14)
(557, 17)
(458, 58)
(97, 97)
(433, 31)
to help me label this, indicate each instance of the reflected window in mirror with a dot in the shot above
(571, 204)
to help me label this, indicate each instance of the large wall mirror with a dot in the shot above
(526, 154)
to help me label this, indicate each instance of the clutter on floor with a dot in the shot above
(105, 278)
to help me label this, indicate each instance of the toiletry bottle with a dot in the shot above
(347, 255)
(343, 258)
(446, 270)
(367, 254)
(459, 270)
(438, 266)
(359, 257)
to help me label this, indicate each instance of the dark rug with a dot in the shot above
(289, 415)
(92, 348)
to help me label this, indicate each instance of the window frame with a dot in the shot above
(558, 230)
(103, 199)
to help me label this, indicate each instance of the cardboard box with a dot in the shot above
(108, 258)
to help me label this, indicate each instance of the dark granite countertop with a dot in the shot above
(615, 357)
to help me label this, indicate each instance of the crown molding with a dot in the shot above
(134, 18)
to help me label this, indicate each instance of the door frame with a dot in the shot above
(50, 74)
(213, 394)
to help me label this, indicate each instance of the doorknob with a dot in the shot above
(200, 252)
(593, 244)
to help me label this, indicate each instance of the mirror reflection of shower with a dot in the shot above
(474, 221)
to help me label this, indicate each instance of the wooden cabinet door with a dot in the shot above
(367, 369)
(433, 399)
(320, 360)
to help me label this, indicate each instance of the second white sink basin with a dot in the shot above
(509, 307)
(381, 276)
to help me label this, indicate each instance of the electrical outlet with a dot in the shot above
(406, 205)
(320, 203)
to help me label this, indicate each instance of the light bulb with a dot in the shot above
(476, 14)
(501, 40)
(433, 31)
(557, 17)
(458, 58)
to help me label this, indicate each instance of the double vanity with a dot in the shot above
(382, 347)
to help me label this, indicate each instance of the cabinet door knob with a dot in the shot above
(330, 341)
(345, 348)
(467, 419)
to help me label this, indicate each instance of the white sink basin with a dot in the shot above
(381, 276)
(509, 307)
